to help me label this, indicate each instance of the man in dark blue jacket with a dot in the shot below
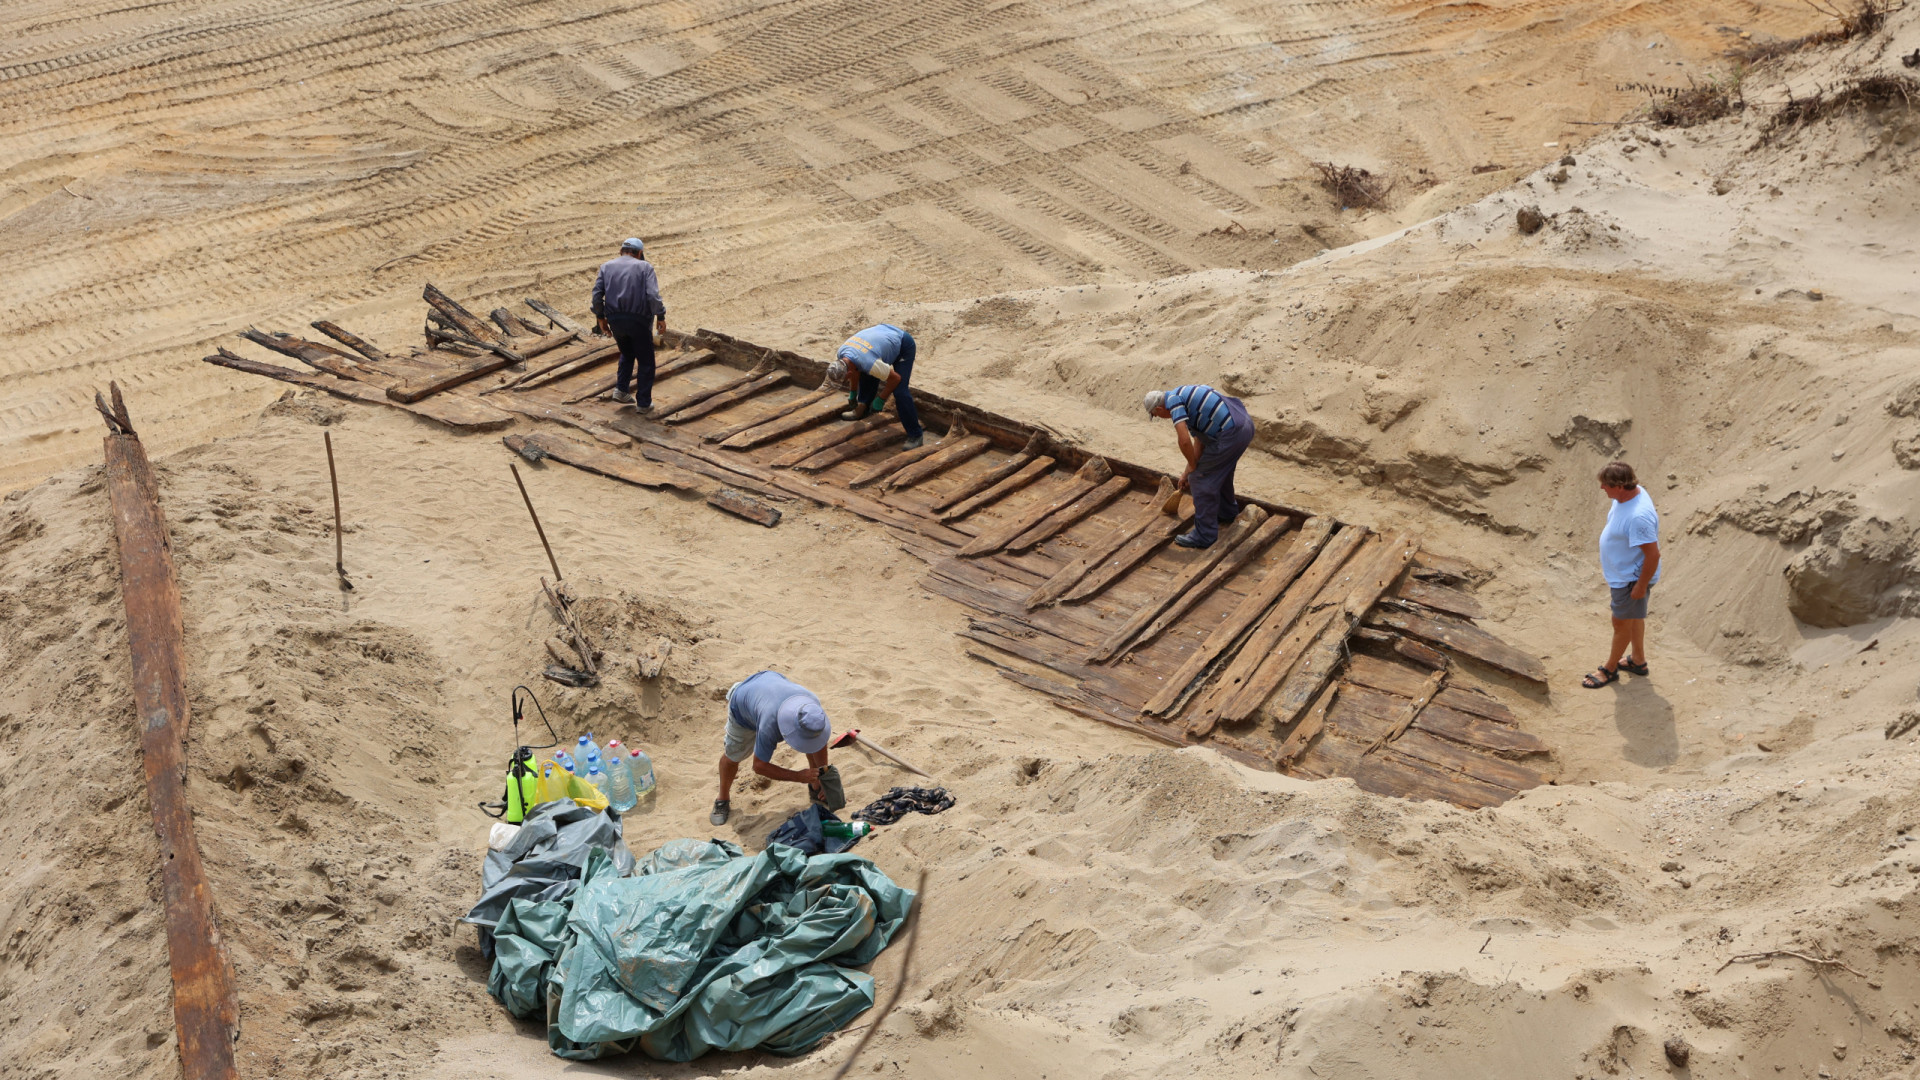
(626, 296)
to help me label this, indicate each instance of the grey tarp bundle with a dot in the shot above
(546, 858)
(705, 948)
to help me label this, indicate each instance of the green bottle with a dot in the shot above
(845, 830)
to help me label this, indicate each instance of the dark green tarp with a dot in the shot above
(704, 948)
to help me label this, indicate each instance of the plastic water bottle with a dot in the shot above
(597, 778)
(565, 761)
(641, 766)
(619, 790)
(592, 760)
(585, 745)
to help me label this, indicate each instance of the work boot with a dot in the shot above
(622, 397)
(915, 443)
(722, 809)
(1189, 540)
(858, 412)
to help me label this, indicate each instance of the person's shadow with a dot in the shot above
(1645, 720)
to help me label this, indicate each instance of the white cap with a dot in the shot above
(837, 371)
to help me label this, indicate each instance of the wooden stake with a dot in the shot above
(339, 544)
(528, 499)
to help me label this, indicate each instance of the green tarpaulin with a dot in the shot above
(704, 948)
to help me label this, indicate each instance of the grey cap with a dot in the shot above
(803, 724)
(837, 371)
(632, 243)
(1154, 400)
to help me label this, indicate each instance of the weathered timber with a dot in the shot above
(1404, 681)
(1026, 474)
(1391, 772)
(1137, 551)
(352, 341)
(1069, 575)
(205, 1012)
(864, 443)
(450, 310)
(560, 414)
(1250, 534)
(1486, 768)
(893, 463)
(953, 450)
(585, 356)
(325, 357)
(1463, 639)
(1446, 568)
(554, 316)
(1313, 535)
(461, 415)
(602, 462)
(741, 505)
(1299, 640)
(1071, 514)
(1305, 594)
(671, 367)
(1411, 710)
(867, 507)
(415, 389)
(969, 488)
(773, 430)
(1307, 730)
(663, 409)
(1091, 475)
(775, 413)
(440, 339)
(514, 325)
(339, 540)
(1438, 597)
(1317, 666)
(1068, 697)
(1481, 734)
(674, 458)
(1424, 655)
(729, 399)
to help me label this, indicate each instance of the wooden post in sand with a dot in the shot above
(339, 545)
(528, 499)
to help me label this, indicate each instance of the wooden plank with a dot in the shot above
(729, 399)
(1137, 551)
(1300, 638)
(867, 507)
(823, 409)
(1426, 656)
(457, 413)
(1249, 535)
(895, 462)
(352, 341)
(1053, 653)
(325, 357)
(1476, 703)
(820, 441)
(1317, 666)
(733, 502)
(952, 452)
(206, 1014)
(601, 462)
(1313, 536)
(1410, 711)
(1307, 730)
(1438, 597)
(1069, 575)
(985, 480)
(1482, 767)
(560, 414)
(1384, 675)
(1463, 639)
(513, 325)
(587, 355)
(1392, 773)
(1091, 475)
(671, 367)
(967, 583)
(1067, 697)
(865, 443)
(664, 409)
(1437, 719)
(1069, 515)
(415, 389)
(554, 316)
(666, 456)
(1026, 474)
(1323, 575)
(1446, 568)
(450, 309)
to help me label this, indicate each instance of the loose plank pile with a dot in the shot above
(1295, 643)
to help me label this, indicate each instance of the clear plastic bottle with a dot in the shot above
(619, 789)
(583, 746)
(592, 761)
(597, 778)
(642, 768)
(565, 761)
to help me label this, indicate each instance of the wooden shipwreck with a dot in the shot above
(1297, 642)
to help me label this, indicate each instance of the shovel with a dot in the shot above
(854, 736)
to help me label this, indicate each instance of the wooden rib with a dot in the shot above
(1411, 710)
(1424, 655)
(1026, 474)
(601, 462)
(1246, 538)
(1066, 517)
(1314, 668)
(477, 328)
(1305, 594)
(555, 317)
(729, 399)
(1482, 734)
(953, 451)
(671, 367)
(687, 446)
(560, 414)
(1438, 597)
(1313, 536)
(806, 448)
(1463, 639)
(205, 1011)
(1069, 575)
(459, 413)
(985, 480)
(739, 505)
(352, 341)
(1308, 728)
(864, 443)
(589, 355)
(867, 507)
(895, 462)
(415, 389)
(664, 409)
(771, 431)
(1090, 476)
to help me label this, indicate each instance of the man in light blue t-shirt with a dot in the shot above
(1630, 561)
(874, 364)
(764, 710)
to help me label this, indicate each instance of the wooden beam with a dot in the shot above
(1026, 474)
(778, 411)
(1309, 727)
(1313, 536)
(1091, 475)
(414, 389)
(1411, 710)
(554, 316)
(450, 310)
(1069, 575)
(880, 470)
(352, 341)
(1068, 516)
(774, 430)
(1463, 639)
(729, 399)
(1250, 534)
(1137, 551)
(560, 414)
(205, 1011)
(671, 367)
(460, 414)
(325, 357)
(953, 450)
(694, 397)
(601, 462)
(985, 480)
(739, 505)
(864, 443)
(593, 353)
(867, 507)
(1438, 597)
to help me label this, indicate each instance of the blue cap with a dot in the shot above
(632, 243)
(803, 724)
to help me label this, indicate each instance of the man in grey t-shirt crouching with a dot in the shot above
(764, 710)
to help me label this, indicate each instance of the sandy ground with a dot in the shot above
(1098, 906)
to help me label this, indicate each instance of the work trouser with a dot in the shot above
(634, 335)
(1212, 481)
(869, 389)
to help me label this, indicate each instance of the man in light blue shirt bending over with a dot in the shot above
(883, 356)
(764, 710)
(1630, 561)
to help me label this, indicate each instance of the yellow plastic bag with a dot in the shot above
(558, 783)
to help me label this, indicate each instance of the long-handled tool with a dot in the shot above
(339, 550)
(854, 736)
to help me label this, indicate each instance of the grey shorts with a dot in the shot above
(1625, 606)
(738, 745)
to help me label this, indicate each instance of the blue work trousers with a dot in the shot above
(869, 389)
(1212, 481)
(634, 335)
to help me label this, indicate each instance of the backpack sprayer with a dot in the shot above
(523, 780)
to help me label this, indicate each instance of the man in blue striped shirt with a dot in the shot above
(1214, 431)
